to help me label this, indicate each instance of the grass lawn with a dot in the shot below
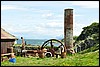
(87, 59)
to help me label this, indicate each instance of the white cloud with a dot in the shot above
(49, 30)
(86, 4)
(39, 10)
(43, 21)
(10, 7)
(77, 28)
(15, 29)
(52, 16)
(55, 24)
(6, 7)
(77, 15)
(47, 15)
(95, 20)
(51, 24)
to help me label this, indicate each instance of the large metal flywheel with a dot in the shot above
(55, 46)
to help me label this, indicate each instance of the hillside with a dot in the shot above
(89, 37)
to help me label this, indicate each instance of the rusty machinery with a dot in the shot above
(53, 46)
(68, 37)
(49, 48)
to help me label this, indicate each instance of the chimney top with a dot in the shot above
(68, 9)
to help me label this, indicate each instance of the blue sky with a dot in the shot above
(45, 19)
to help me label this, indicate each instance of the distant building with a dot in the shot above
(7, 40)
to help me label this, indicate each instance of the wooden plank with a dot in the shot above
(6, 54)
(32, 51)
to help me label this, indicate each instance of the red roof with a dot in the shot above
(6, 35)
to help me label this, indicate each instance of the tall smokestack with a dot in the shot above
(68, 28)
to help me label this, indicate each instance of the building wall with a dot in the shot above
(5, 43)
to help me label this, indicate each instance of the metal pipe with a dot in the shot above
(23, 44)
